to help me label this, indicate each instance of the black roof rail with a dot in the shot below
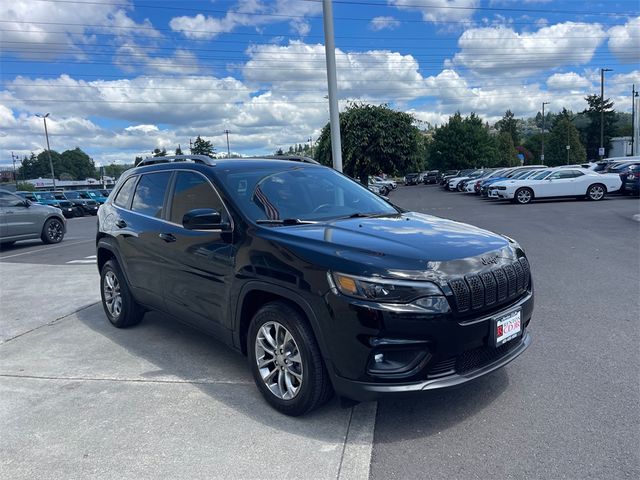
(291, 158)
(178, 158)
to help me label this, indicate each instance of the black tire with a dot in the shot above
(79, 212)
(6, 244)
(52, 231)
(130, 313)
(596, 192)
(523, 196)
(315, 387)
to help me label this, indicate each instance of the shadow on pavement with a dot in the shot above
(182, 354)
(430, 413)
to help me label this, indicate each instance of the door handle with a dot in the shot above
(121, 223)
(167, 237)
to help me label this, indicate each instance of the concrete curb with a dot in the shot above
(358, 445)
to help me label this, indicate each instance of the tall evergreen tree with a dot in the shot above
(509, 124)
(202, 147)
(590, 135)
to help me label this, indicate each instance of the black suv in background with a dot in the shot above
(322, 284)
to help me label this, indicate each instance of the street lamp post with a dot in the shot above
(543, 122)
(330, 54)
(227, 132)
(46, 134)
(634, 95)
(601, 150)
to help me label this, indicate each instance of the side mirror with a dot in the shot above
(204, 219)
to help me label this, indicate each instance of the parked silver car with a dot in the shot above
(21, 219)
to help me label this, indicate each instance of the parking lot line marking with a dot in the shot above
(45, 249)
(358, 446)
(92, 260)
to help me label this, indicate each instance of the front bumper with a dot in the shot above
(442, 350)
(363, 391)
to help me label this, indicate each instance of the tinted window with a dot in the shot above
(124, 195)
(149, 196)
(10, 200)
(192, 191)
(541, 175)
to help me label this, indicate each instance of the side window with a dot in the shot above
(554, 176)
(9, 200)
(124, 194)
(149, 196)
(192, 191)
(575, 173)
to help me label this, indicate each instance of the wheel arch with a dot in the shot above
(105, 251)
(254, 295)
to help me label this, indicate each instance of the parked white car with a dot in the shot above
(390, 184)
(557, 182)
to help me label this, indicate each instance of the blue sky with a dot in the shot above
(120, 78)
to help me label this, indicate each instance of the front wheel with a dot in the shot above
(52, 231)
(523, 196)
(596, 192)
(285, 360)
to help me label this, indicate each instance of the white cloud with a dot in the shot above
(248, 13)
(142, 128)
(382, 23)
(437, 11)
(29, 33)
(131, 57)
(570, 81)
(624, 41)
(487, 51)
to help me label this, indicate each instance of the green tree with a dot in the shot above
(179, 151)
(279, 151)
(507, 156)
(202, 147)
(590, 134)
(137, 160)
(462, 143)
(374, 139)
(76, 163)
(159, 153)
(25, 187)
(534, 145)
(564, 133)
(509, 124)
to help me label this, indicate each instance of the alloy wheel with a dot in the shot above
(54, 231)
(279, 361)
(112, 296)
(524, 196)
(596, 192)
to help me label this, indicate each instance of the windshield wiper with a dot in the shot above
(372, 215)
(284, 221)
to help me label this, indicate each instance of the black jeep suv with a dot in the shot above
(324, 285)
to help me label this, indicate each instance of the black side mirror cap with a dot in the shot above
(204, 219)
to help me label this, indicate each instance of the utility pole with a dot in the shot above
(543, 123)
(311, 146)
(634, 94)
(228, 150)
(568, 144)
(46, 134)
(330, 54)
(601, 150)
(15, 175)
(190, 147)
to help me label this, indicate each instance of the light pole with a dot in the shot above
(330, 54)
(543, 122)
(15, 176)
(634, 95)
(227, 132)
(568, 145)
(601, 150)
(46, 134)
(311, 147)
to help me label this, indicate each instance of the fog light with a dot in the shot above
(397, 362)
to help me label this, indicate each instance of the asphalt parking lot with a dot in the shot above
(80, 399)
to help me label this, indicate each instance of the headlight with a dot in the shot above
(382, 289)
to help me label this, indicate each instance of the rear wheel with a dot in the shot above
(117, 301)
(596, 192)
(52, 231)
(285, 360)
(523, 196)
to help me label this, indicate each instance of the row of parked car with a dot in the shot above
(524, 184)
(72, 203)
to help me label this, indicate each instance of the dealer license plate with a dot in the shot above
(507, 327)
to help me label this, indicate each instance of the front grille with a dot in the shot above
(65, 204)
(475, 292)
(474, 359)
(91, 202)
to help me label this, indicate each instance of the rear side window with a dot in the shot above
(149, 196)
(124, 195)
(192, 191)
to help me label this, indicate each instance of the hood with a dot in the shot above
(407, 242)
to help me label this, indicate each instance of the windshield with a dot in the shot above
(541, 175)
(59, 196)
(44, 196)
(304, 193)
(72, 195)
